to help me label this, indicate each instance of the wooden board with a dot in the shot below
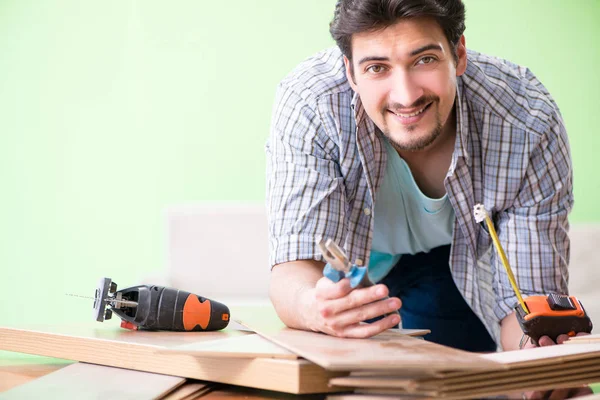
(584, 339)
(549, 369)
(357, 396)
(390, 351)
(12, 376)
(543, 355)
(518, 358)
(190, 390)
(96, 381)
(229, 392)
(470, 380)
(537, 377)
(246, 346)
(137, 350)
(566, 381)
(543, 363)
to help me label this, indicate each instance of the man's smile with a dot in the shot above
(407, 118)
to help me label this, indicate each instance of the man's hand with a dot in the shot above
(338, 310)
(546, 341)
(304, 299)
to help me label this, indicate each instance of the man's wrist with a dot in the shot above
(307, 308)
(510, 333)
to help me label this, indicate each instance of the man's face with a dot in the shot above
(406, 78)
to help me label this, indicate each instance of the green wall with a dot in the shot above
(110, 111)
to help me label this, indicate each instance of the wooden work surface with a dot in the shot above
(145, 351)
(165, 353)
(16, 370)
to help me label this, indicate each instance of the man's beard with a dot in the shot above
(419, 143)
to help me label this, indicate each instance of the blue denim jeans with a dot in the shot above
(431, 300)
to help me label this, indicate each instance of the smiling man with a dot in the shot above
(384, 144)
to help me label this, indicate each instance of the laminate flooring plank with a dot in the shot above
(137, 350)
(386, 352)
(184, 391)
(542, 355)
(514, 373)
(12, 375)
(595, 338)
(468, 381)
(568, 381)
(81, 380)
(246, 346)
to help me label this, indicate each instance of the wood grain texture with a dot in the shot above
(137, 350)
(79, 380)
(531, 369)
(544, 368)
(470, 381)
(247, 346)
(542, 355)
(189, 390)
(595, 338)
(390, 351)
(358, 396)
(567, 381)
(12, 376)
(236, 392)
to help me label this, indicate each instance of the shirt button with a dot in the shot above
(359, 262)
(367, 211)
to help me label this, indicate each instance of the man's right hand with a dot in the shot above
(338, 310)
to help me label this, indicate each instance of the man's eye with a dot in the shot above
(375, 69)
(426, 60)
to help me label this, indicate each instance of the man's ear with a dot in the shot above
(461, 52)
(349, 73)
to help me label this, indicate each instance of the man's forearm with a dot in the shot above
(510, 332)
(290, 290)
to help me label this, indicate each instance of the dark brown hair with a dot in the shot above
(355, 16)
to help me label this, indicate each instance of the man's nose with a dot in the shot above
(405, 90)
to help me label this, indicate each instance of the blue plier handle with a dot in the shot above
(339, 267)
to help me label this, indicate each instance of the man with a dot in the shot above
(384, 144)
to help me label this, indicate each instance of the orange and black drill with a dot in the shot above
(152, 307)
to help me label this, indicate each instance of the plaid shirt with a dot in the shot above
(326, 161)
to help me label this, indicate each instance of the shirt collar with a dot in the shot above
(462, 122)
(357, 107)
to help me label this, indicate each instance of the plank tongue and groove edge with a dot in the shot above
(138, 350)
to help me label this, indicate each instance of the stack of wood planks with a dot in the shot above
(532, 369)
(270, 356)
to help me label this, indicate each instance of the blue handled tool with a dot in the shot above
(339, 267)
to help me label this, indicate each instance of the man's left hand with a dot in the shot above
(546, 341)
